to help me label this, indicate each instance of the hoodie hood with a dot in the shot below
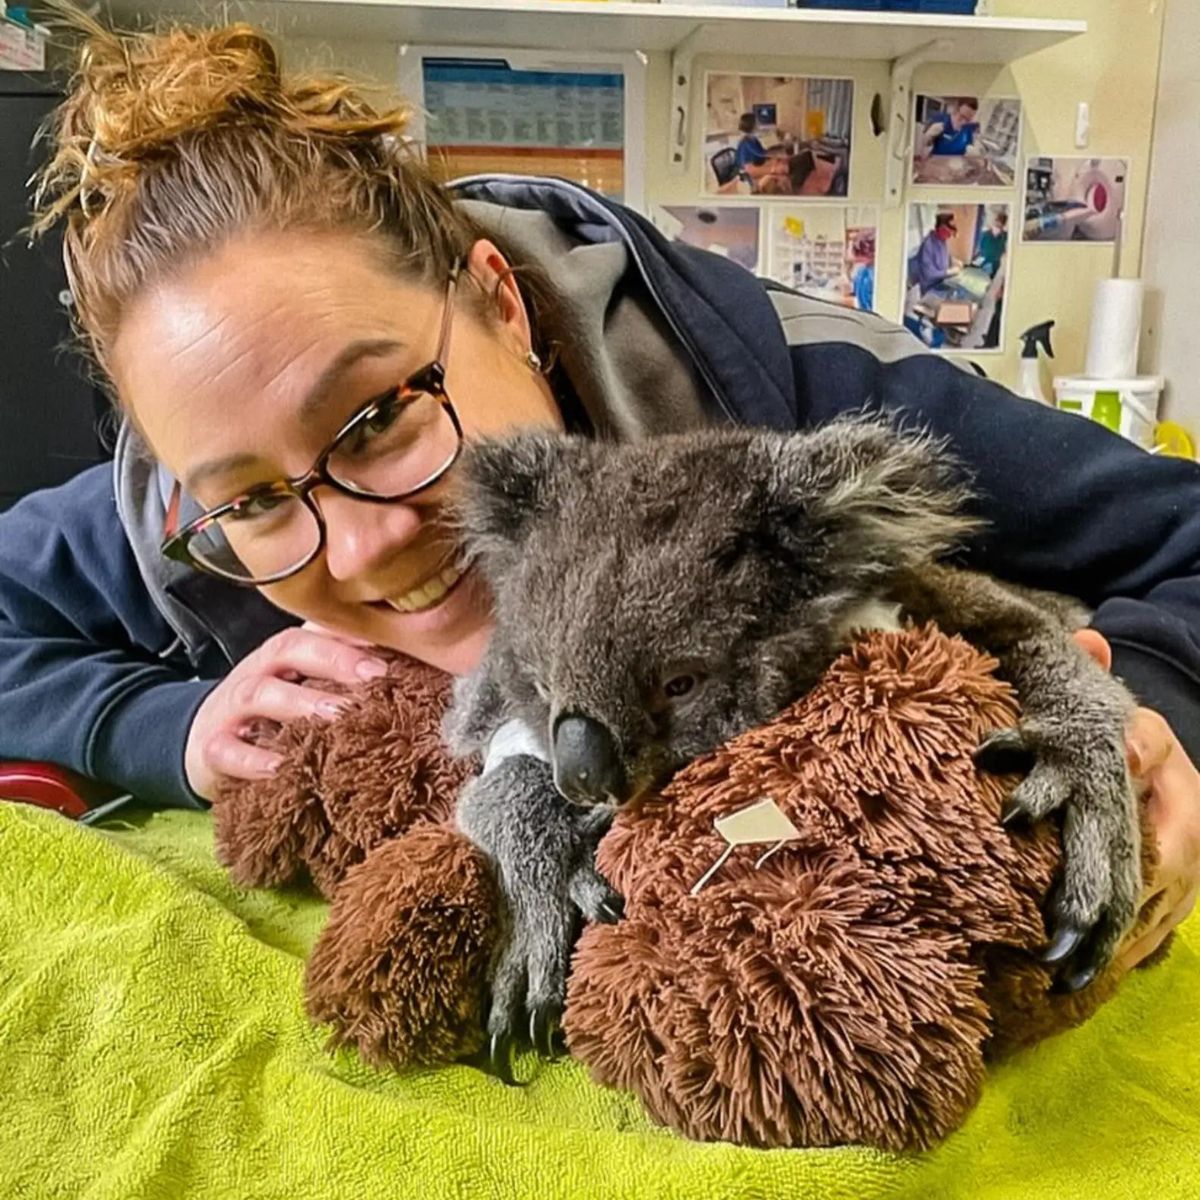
(715, 318)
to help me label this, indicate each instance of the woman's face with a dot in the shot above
(240, 369)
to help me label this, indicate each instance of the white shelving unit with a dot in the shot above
(682, 30)
(619, 25)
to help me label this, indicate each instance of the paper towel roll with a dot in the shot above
(1112, 351)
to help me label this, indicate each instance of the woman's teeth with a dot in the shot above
(430, 592)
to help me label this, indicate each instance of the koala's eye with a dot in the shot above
(679, 686)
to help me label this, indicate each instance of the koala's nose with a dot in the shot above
(587, 764)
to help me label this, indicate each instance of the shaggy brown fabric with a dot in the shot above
(362, 807)
(345, 786)
(399, 969)
(847, 989)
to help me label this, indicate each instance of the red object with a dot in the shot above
(52, 787)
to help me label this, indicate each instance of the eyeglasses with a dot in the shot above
(395, 446)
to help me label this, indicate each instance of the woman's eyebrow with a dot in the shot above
(342, 362)
(314, 398)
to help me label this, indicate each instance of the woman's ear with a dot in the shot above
(497, 281)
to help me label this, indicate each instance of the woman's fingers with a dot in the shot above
(318, 656)
(277, 700)
(267, 686)
(229, 755)
(1096, 645)
(1148, 742)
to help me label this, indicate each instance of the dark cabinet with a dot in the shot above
(50, 414)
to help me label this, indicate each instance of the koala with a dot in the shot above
(654, 599)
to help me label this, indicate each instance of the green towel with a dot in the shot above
(153, 1044)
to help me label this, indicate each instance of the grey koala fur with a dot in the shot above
(654, 599)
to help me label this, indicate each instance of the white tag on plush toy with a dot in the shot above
(763, 821)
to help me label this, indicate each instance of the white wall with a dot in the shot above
(1171, 255)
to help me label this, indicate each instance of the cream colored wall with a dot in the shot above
(1113, 68)
(1171, 263)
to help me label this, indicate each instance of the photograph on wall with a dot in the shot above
(825, 251)
(956, 270)
(731, 230)
(1074, 199)
(776, 135)
(965, 141)
(577, 118)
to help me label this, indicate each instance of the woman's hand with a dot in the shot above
(1170, 784)
(263, 685)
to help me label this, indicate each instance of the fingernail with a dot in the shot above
(270, 771)
(332, 708)
(371, 668)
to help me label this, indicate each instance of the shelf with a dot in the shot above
(618, 25)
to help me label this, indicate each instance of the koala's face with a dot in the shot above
(654, 599)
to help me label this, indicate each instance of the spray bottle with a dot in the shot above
(1029, 383)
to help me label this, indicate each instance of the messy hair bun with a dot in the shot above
(170, 142)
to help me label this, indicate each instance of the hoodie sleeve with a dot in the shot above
(1070, 507)
(82, 683)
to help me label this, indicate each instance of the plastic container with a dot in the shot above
(856, 5)
(963, 8)
(1126, 406)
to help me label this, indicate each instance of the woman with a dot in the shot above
(299, 327)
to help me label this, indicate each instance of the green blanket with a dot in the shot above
(153, 1044)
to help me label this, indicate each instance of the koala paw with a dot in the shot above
(1086, 779)
(544, 850)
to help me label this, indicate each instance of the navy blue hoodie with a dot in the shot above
(102, 671)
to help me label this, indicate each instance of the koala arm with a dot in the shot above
(543, 848)
(1074, 715)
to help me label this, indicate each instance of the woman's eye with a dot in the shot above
(377, 424)
(253, 507)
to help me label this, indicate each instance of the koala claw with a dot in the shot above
(1005, 752)
(1078, 980)
(1063, 944)
(1096, 900)
(544, 1027)
(501, 1049)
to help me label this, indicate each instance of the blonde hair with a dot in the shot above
(170, 143)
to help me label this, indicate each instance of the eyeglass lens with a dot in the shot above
(398, 445)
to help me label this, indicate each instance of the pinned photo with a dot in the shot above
(825, 252)
(729, 230)
(957, 269)
(965, 141)
(1074, 199)
(777, 135)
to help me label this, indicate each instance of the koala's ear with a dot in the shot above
(876, 498)
(506, 482)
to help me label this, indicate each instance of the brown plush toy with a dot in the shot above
(849, 989)
(363, 807)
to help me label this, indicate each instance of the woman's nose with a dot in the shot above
(361, 537)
